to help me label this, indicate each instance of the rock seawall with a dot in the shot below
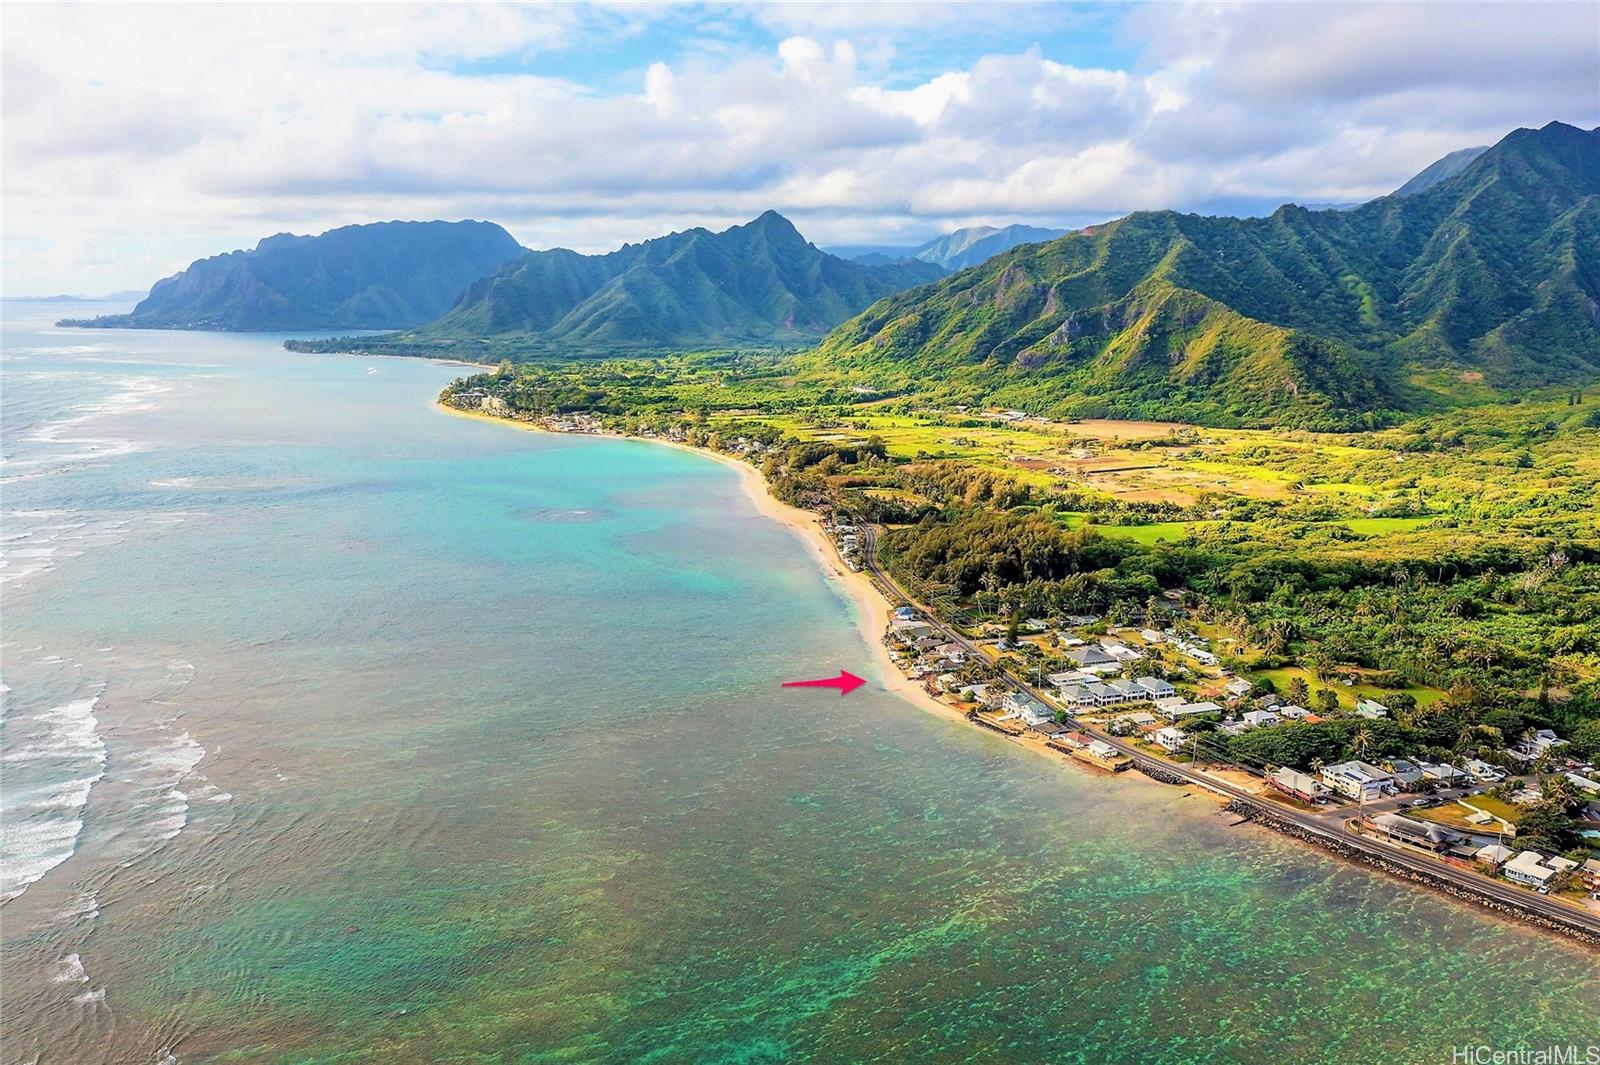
(1265, 816)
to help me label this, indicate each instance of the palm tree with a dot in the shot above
(1317, 765)
(1560, 791)
(1361, 744)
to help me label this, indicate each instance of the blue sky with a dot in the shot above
(615, 50)
(165, 133)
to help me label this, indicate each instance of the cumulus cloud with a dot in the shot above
(178, 127)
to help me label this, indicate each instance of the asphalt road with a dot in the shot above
(1313, 824)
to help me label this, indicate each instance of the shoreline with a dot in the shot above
(870, 604)
(871, 609)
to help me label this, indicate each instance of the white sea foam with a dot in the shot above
(162, 773)
(68, 441)
(43, 818)
(70, 970)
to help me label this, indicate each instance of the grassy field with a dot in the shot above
(1347, 696)
(1376, 483)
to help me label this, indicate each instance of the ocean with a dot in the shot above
(340, 729)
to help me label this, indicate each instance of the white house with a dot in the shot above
(1536, 745)
(1238, 688)
(1528, 868)
(1151, 636)
(1158, 688)
(1120, 651)
(1302, 786)
(1027, 707)
(1170, 738)
(1077, 695)
(1293, 712)
(1582, 783)
(1494, 855)
(1190, 709)
(1448, 776)
(1130, 691)
(1483, 772)
(1261, 719)
(1356, 780)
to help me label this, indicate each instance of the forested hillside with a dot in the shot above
(1324, 318)
(387, 275)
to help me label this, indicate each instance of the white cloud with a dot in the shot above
(170, 128)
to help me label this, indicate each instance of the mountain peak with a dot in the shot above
(760, 283)
(373, 276)
(773, 225)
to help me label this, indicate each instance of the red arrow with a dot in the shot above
(845, 682)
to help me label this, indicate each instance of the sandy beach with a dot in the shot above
(872, 610)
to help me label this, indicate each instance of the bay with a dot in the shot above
(340, 729)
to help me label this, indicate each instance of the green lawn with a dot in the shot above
(1347, 696)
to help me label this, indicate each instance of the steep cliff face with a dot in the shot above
(388, 275)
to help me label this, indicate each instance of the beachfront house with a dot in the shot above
(905, 613)
(1493, 855)
(1417, 833)
(1357, 780)
(1031, 710)
(1529, 868)
(910, 630)
(1299, 785)
(1170, 738)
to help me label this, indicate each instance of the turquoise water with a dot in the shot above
(340, 729)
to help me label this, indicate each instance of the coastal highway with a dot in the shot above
(1318, 825)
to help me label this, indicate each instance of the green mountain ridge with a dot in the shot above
(1304, 317)
(976, 244)
(384, 275)
(759, 284)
